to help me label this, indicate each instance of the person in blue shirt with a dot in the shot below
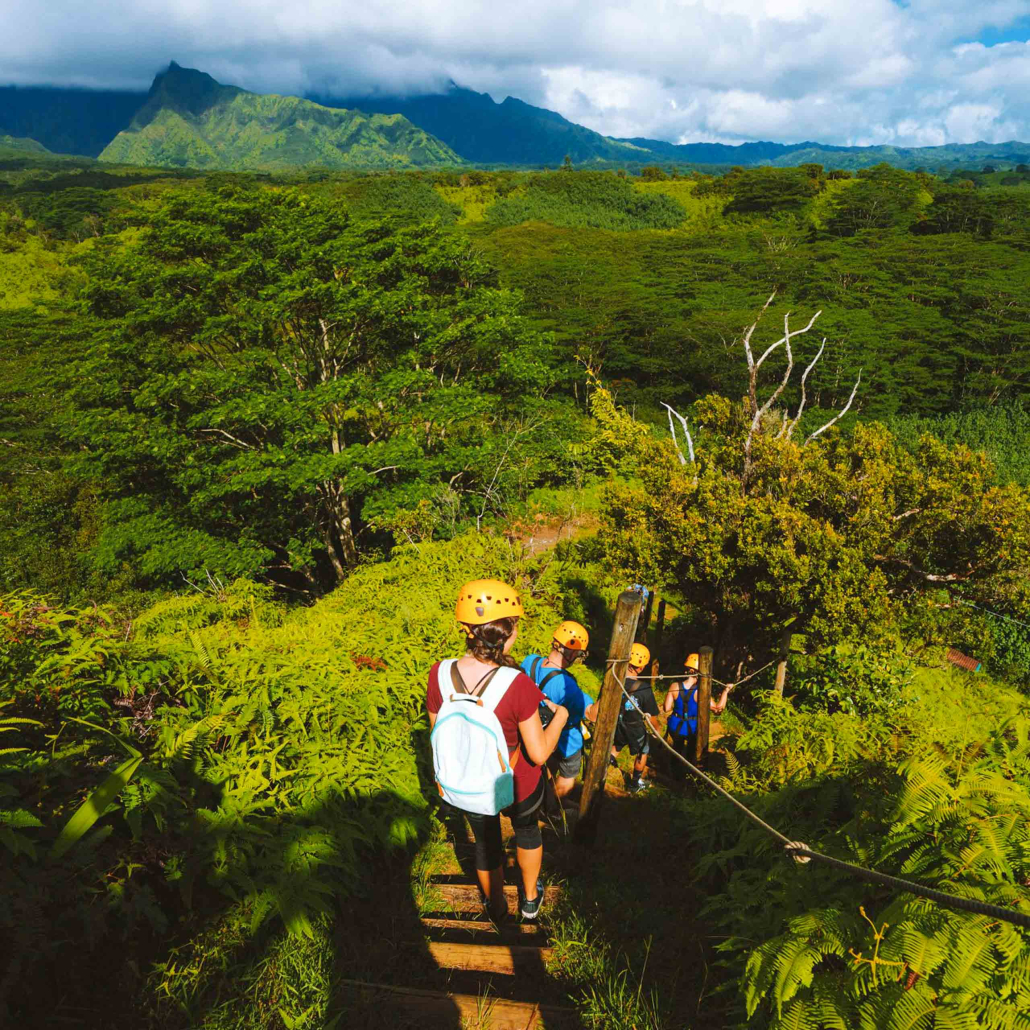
(551, 675)
(681, 708)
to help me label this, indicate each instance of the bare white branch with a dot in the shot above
(788, 428)
(748, 333)
(234, 440)
(843, 411)
(686, 433)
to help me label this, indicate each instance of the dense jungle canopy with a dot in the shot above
(256, 429)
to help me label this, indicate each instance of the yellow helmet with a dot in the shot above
(692, 662)
(639, 656)
(486, 600)
(572, 635)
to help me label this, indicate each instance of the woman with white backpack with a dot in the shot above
(489, 744)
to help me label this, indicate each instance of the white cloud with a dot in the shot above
(840, 72)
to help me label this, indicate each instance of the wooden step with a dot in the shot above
(507, 959)
(467, 895)
(473, 1012)
(449, 923)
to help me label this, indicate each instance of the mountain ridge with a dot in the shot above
(191, 120)
(485, 132)
(457, 126)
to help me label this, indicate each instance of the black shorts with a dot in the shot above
(568, 766)
(635, 739)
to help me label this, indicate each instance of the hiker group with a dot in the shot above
(497, 727)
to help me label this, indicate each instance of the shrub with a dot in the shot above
(857, 680)
(586, 199)
(276, 753)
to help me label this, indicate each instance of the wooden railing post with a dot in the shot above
(704, 708)
(645, 623)
(609, 702)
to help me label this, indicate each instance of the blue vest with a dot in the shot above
(683, 721)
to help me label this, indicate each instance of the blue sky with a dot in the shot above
(1017, 31)
(926, 72)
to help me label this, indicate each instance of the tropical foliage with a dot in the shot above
(236, 757)
(255, 430)
(768, 535)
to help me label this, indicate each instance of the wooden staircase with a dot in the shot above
(488, 980)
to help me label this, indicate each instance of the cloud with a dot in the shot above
(908, 73)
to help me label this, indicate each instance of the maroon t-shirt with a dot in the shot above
(518, 704)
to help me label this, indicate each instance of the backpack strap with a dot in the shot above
(493, 692)
(534, 669)
(476, 693)
(550, 676)
(493, 695)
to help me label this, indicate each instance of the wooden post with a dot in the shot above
(645, 622)
(704, 710)
(609, 703)
(658, 627)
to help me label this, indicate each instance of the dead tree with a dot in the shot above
(759, 412)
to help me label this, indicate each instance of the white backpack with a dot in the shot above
(470, 754)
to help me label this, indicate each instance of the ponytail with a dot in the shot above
(486, 642)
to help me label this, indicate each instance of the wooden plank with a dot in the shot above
(468, 894)
(474, 1012)
(609, 702)
(475, 927)
(508, 959)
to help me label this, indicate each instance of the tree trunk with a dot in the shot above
(781, 667)
(339, 533)
(343, 551)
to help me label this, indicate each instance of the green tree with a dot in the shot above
(769, 189)
(766, 535)
(883, 197)
(955, 209)
(268, 376)
(652, 173)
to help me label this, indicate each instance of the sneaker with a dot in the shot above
(639, 786)
(531, 909)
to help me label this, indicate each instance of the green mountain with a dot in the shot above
(950, 156)
(512, 132)
(191, 121)
(14, 146)
(67, 121)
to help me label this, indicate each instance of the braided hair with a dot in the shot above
(486, 642)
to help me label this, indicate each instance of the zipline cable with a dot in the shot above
(801, 853)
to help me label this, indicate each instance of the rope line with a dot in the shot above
(718, 683)
(948, 900)
(801, 853)
(997, 615)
